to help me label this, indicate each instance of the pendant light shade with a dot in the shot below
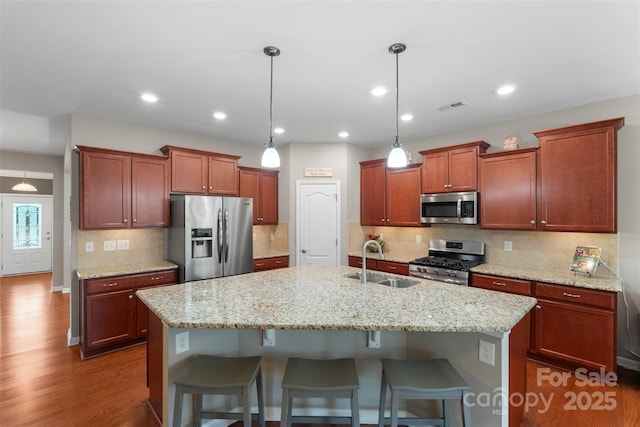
(397, 157)
(24, 185)
(270, 157)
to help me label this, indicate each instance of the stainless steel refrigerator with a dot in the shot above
(210, 236)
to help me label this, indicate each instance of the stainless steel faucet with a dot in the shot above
(363, 276)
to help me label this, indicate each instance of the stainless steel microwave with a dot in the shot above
(449, 208)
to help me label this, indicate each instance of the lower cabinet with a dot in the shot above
(112, 317)
(264, 264)
(380, 265)
(570, 327)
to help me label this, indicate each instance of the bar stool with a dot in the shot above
(230, 376)
(333, 378)
(421, 379)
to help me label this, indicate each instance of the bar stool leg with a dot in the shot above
(197, 409)
(355, 409)
(284, 411)
(260, 392)
(383, 400)
(466, 411)
(177, 407)
(395, 406)
(246, 407)
(445, 412)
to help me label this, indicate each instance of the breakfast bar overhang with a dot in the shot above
(318, 312)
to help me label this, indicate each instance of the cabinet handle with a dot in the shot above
(538, 307)
(392, 267)
(543, 222)
(445, 186)
(134, 220)
(570, 295)
(533, 221)
(279, 262)
(110, 285)
(499, 284)
(130, 296)
(204, 187)
(210, 188)
(157, 278)
(258, 264)
(125, 220)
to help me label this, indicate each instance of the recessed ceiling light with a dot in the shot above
(149, 97)
(406, 117)
(379, 91)
(278, 130)
(505, 90)
(219, 115)
(343, 134)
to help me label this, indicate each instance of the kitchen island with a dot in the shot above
(316, 311)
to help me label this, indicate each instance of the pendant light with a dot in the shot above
(24, 185)
(270, 157)
(397, 157)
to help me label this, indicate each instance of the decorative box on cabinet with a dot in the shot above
(508, 189)
(262, 186)
(264, 264)
(452, 168)
(577, 177)
(122, 190)
(202, 172)
(112, 317)
(389, 196)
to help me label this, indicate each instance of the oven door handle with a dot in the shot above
(459, 209)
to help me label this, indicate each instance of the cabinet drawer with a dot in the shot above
(109, 284)
(155, 278)
(393, 267)
(263, 264)
(356, 261)
(576, 295)
(495, 283)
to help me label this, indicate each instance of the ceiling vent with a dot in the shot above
(451, 106)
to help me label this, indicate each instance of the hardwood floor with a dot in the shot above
(44, 383)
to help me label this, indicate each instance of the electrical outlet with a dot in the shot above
(268, 337)
(88, 246)
(109, 245)
(487, 353)
(508, 245)
(123, 245)
(418, 239)
(182, 342)
(373, 339)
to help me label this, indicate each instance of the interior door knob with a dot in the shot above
(304, 251)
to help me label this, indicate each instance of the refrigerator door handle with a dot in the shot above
(226, 235)
(220, 238)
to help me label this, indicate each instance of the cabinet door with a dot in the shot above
(269, 198)
(109, 318)
(356, 261)
(463, 169)
(578, 180)
(105, 191)
(250, 187)
(435, 173)
(149, 192)
(223, 176)
(372, 193)
(403, 196)
(502, 284)
(508, 191)
(188, 172)
(574, 333)
(392, 267)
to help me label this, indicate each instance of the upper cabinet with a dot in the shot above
(508, 189)
(577, 177)
(122, 190)
(389, 196)
(453, 168)
(262, 186)
(202, 172)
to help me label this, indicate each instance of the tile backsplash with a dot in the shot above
(145, 245)
(269, 239)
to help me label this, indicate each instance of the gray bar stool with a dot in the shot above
(421, 379)
(333, 378)
(229, 376)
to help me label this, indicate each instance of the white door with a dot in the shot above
(26, 234)
(318, 222)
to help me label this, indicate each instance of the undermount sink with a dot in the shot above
(382, 279)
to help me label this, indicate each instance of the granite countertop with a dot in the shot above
(321, 297)
(388, 256)
(119, 270)
(568, 278)
(270, 255)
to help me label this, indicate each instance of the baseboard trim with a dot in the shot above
(71, 341)
(66, 290)
(628, 363)
(57, 289)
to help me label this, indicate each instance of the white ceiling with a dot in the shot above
(96, 57)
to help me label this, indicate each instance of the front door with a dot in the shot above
(26, 234)
(318, 222)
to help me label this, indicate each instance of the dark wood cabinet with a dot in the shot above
(453, 168)
(502, 284)
(264, 264)
(380, 265)
(112, 316)
(202, 172)
(122, 190)
(262, 186)
(577, 176)
(508, 193)
(389, 196)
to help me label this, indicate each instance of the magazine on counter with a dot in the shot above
(586, 259)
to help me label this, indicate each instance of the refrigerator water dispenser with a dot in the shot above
(201, 243)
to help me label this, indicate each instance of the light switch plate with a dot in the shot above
(123, 245)
(109, 245)
(508, 245)
(88, 246)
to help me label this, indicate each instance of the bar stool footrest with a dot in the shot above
(320, 419)
(415, 421)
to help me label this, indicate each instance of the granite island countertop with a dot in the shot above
(119, 270)
(567, 278)
(321, 297)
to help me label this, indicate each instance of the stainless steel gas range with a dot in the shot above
(448, 261)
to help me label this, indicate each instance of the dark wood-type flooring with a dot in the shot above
(44, 383)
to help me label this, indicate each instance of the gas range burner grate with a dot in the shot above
(444, 262)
